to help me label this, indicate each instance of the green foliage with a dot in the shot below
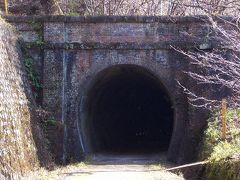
(32, 75)
(28, 59)
(40, 42)
(66, 45)
(224, 150)
(223, 155)
(37, 27)
(73, 7)
(51, 121)
(28, 45)
(223, 170)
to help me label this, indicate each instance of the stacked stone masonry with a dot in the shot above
(17, 148)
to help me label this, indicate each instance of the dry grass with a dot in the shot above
(44, 174)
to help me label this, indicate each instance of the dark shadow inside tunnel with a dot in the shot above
(128, 111)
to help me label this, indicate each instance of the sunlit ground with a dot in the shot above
(112, 167)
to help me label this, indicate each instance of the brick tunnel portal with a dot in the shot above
(128, 111)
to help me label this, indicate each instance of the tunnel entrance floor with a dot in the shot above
(128, 159)
(112, 167)
(128, 112)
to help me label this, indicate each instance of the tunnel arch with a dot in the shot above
(126, 109)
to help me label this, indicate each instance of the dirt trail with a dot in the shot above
(110, 167)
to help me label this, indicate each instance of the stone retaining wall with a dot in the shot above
(18, 153)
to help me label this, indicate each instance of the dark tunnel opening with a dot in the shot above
(128, 111)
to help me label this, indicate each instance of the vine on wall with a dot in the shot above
(32, 74)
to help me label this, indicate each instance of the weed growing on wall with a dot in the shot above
(32, 75)
(37, 27)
